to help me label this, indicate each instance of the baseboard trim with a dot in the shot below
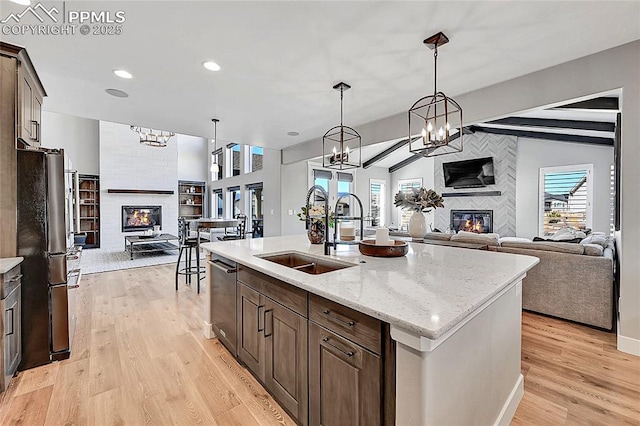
(628, 345)
(511, 405)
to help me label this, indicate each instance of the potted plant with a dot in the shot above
(315, 217)
(420, 200)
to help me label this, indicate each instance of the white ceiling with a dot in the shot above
(280, 59)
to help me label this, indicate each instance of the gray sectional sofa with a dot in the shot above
(572, 281)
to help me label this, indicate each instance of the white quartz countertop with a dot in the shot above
(7, 263)
(426, 292)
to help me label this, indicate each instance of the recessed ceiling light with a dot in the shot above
(117, 93)
(211, 66)
(293, 133)
(22, 2)
(123, 74)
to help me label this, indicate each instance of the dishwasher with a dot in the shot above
(223, 301)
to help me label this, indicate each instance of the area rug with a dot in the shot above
(104, 260)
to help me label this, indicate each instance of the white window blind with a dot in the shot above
(377, 201)
(407, 186)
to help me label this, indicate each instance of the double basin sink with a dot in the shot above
(313, 265)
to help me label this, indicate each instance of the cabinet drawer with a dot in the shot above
(353, 325)
(292, 297)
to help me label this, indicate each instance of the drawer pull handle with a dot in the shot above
(224, 268)
(338, 320)
(15, 279)
(265, 323)
(260, 329)
(349, 354)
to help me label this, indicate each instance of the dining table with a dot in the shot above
(205, 223)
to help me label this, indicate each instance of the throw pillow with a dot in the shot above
(566, 233)
(596, 238)
(513, 240)
(551, 240)
(472, 237)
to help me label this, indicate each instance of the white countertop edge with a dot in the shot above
(273, 270)
(8, 263)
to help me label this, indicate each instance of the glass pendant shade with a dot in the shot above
(435, 121)
(341, 144)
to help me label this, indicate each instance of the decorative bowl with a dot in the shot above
(370, 248)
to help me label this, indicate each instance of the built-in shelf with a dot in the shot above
(88, 209)
(141, 191)
(472, 194)
(194, 192)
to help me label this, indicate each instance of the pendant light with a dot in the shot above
(215, 167)
(341, 144)
(436, 120)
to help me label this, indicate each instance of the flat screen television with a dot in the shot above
(474, 173)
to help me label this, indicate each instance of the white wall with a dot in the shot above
(294, 191)
(193, 154)
(79, 137)
(127, 164)
(423, 168)
(270, 178)
(534, 154)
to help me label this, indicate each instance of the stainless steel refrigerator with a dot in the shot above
(43, 244)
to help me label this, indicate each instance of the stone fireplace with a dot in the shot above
(478, 221)
(139, 218)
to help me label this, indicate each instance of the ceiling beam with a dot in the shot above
(609, 103)
(561, 137)
(405, 162)
(384, 154)
(601, 126)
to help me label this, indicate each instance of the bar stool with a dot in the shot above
(241, 231)
(188, 244)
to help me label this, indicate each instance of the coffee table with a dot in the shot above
(136, 244)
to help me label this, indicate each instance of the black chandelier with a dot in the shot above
(436, 120)
(341, 144)
(155, 138)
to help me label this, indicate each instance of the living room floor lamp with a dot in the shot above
(435, 121)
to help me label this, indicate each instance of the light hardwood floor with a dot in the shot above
(139, 357)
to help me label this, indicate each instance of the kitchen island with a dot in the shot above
(454, 315)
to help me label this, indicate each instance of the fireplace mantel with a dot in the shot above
(140, 191)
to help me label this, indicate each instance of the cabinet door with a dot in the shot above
(13, 345)
(345, 381)
(250, 329)
(286, 358)
(26, 127)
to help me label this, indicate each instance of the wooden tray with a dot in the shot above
(369, 248)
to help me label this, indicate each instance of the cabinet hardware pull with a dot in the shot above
(222, 266)
(265, 323)
(349, 354)
(36, 125)
(15, 279)
(12, 321)
(349, 323)
(260, 329)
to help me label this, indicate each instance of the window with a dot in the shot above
(336, 184)
(255, 158)
(235, 159)
(234, 201)
(407, 185)
(565, 198)
(217, 208)
(256, 215)
(344, 185)
(377, 201)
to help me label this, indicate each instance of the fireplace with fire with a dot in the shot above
(139, 218)
(478, 221)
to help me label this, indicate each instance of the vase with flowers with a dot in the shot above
(420, 200)
(315, 218)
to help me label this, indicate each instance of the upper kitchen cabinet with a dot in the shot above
(30, 95)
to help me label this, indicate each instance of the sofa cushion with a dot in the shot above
(593, 249)
(513, 240)
(471, 237)
(547, 246)
(437, 236)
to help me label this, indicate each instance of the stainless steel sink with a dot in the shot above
(306, 263)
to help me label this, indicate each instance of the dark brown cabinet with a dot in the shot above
(250, 332)
(286, 358)
(30, 97)
(345, 381)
